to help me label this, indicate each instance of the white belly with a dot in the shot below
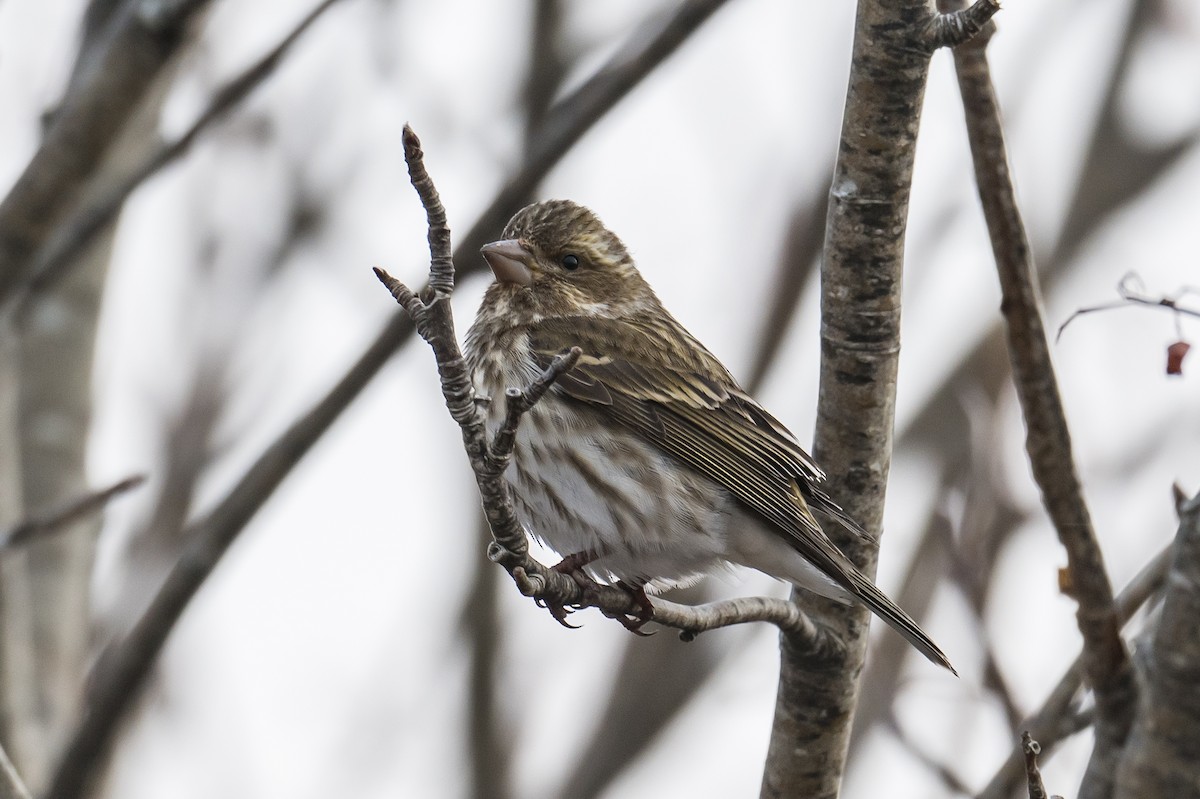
(646, 519)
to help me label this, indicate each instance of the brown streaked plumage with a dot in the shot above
(647, 463)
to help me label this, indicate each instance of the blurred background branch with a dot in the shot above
(1048, 442)
(56, 520)
(1163, 755)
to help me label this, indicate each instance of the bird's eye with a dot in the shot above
(570, 262)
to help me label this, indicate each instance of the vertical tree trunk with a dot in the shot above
(860, 343)
(46, 585)
(108, 122)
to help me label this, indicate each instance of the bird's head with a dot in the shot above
(556, 259)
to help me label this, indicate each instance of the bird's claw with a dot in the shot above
(632, 623)
(572, 566)
(559, 612)
(644, 610)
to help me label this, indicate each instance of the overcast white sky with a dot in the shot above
(322, 660)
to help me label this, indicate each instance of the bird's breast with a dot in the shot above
(499, 360)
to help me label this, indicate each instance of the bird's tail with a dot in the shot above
(867, 593)
(810, 541)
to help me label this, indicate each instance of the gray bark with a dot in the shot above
(1162, 754)
(860, 345)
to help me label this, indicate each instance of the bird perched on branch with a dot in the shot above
(646, 464)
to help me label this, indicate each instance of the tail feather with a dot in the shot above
(813, 545)
(866, 592)
(822, 503)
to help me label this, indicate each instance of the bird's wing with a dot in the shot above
(662, 384)
(667, 388)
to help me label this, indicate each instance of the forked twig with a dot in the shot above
(519, 401)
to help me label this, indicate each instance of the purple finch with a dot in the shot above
(646, 464)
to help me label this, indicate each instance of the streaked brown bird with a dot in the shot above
(646, 464)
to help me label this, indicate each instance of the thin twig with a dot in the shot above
(441, 267)
(955, 28)
(1031, 750)
(63, 517)
(1132, 293)
(1048, 441)
(519, 401)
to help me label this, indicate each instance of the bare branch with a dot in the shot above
(568, 119)
(518, 402)
(141, 40)
(56, 258)
(489, 739)
(548, 63)
(1048, 441)
(63, 517)
(1033, 776)
(797, 260)
(959, 27)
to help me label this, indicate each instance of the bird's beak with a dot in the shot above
(510, 261)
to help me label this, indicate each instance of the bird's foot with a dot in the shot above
(644, 611)
(572, 566)
(575, 563)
